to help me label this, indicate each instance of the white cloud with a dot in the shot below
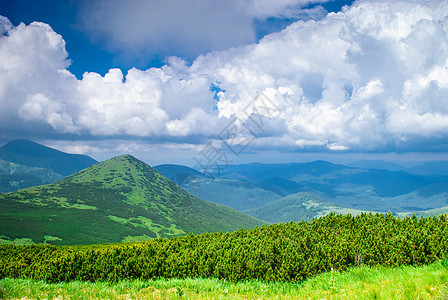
(32, 62)
(369, 77)
(187, 28)
(5, 25)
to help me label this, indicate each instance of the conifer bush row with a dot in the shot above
(279, 252)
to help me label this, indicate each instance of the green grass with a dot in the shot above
(427, 282)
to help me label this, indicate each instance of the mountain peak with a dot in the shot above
(119, 171)
(120, 199)
(125, 157)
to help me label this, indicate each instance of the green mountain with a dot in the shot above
(32, 154)
(14, 177)
(121, 199)
(298, 207)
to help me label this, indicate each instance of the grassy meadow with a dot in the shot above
(426, 282)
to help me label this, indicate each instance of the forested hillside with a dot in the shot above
(279, 252)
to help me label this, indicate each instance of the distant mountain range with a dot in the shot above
(236, 193)
(121, 199)
(265, 190)
(299, 207)
(25, 163)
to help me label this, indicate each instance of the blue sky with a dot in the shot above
(248, 80)
(89, 54)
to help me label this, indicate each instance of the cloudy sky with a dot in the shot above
(212, 81)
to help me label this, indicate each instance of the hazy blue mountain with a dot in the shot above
(257, 172)
(171, 170)
(32, 154)
(298, 207)
(378, 190)
(281, 186)
(239, 194)
(433, 168)
(376, 164)
(363, 189)
(187, 178)
(383, 182)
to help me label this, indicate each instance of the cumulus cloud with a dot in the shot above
(186, 28)
(369, 78)
(5, 25)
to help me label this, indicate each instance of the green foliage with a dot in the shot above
(280, 252)
(426, 282)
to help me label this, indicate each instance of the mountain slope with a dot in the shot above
(121, 199)
(170, 171)
(14, 177)
(281, 186)
(238, 194)
(235, 193)
(32, 154)
(298, 207)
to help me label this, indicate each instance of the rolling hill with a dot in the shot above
(298, 207)
(121, 199)
(32, 154)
